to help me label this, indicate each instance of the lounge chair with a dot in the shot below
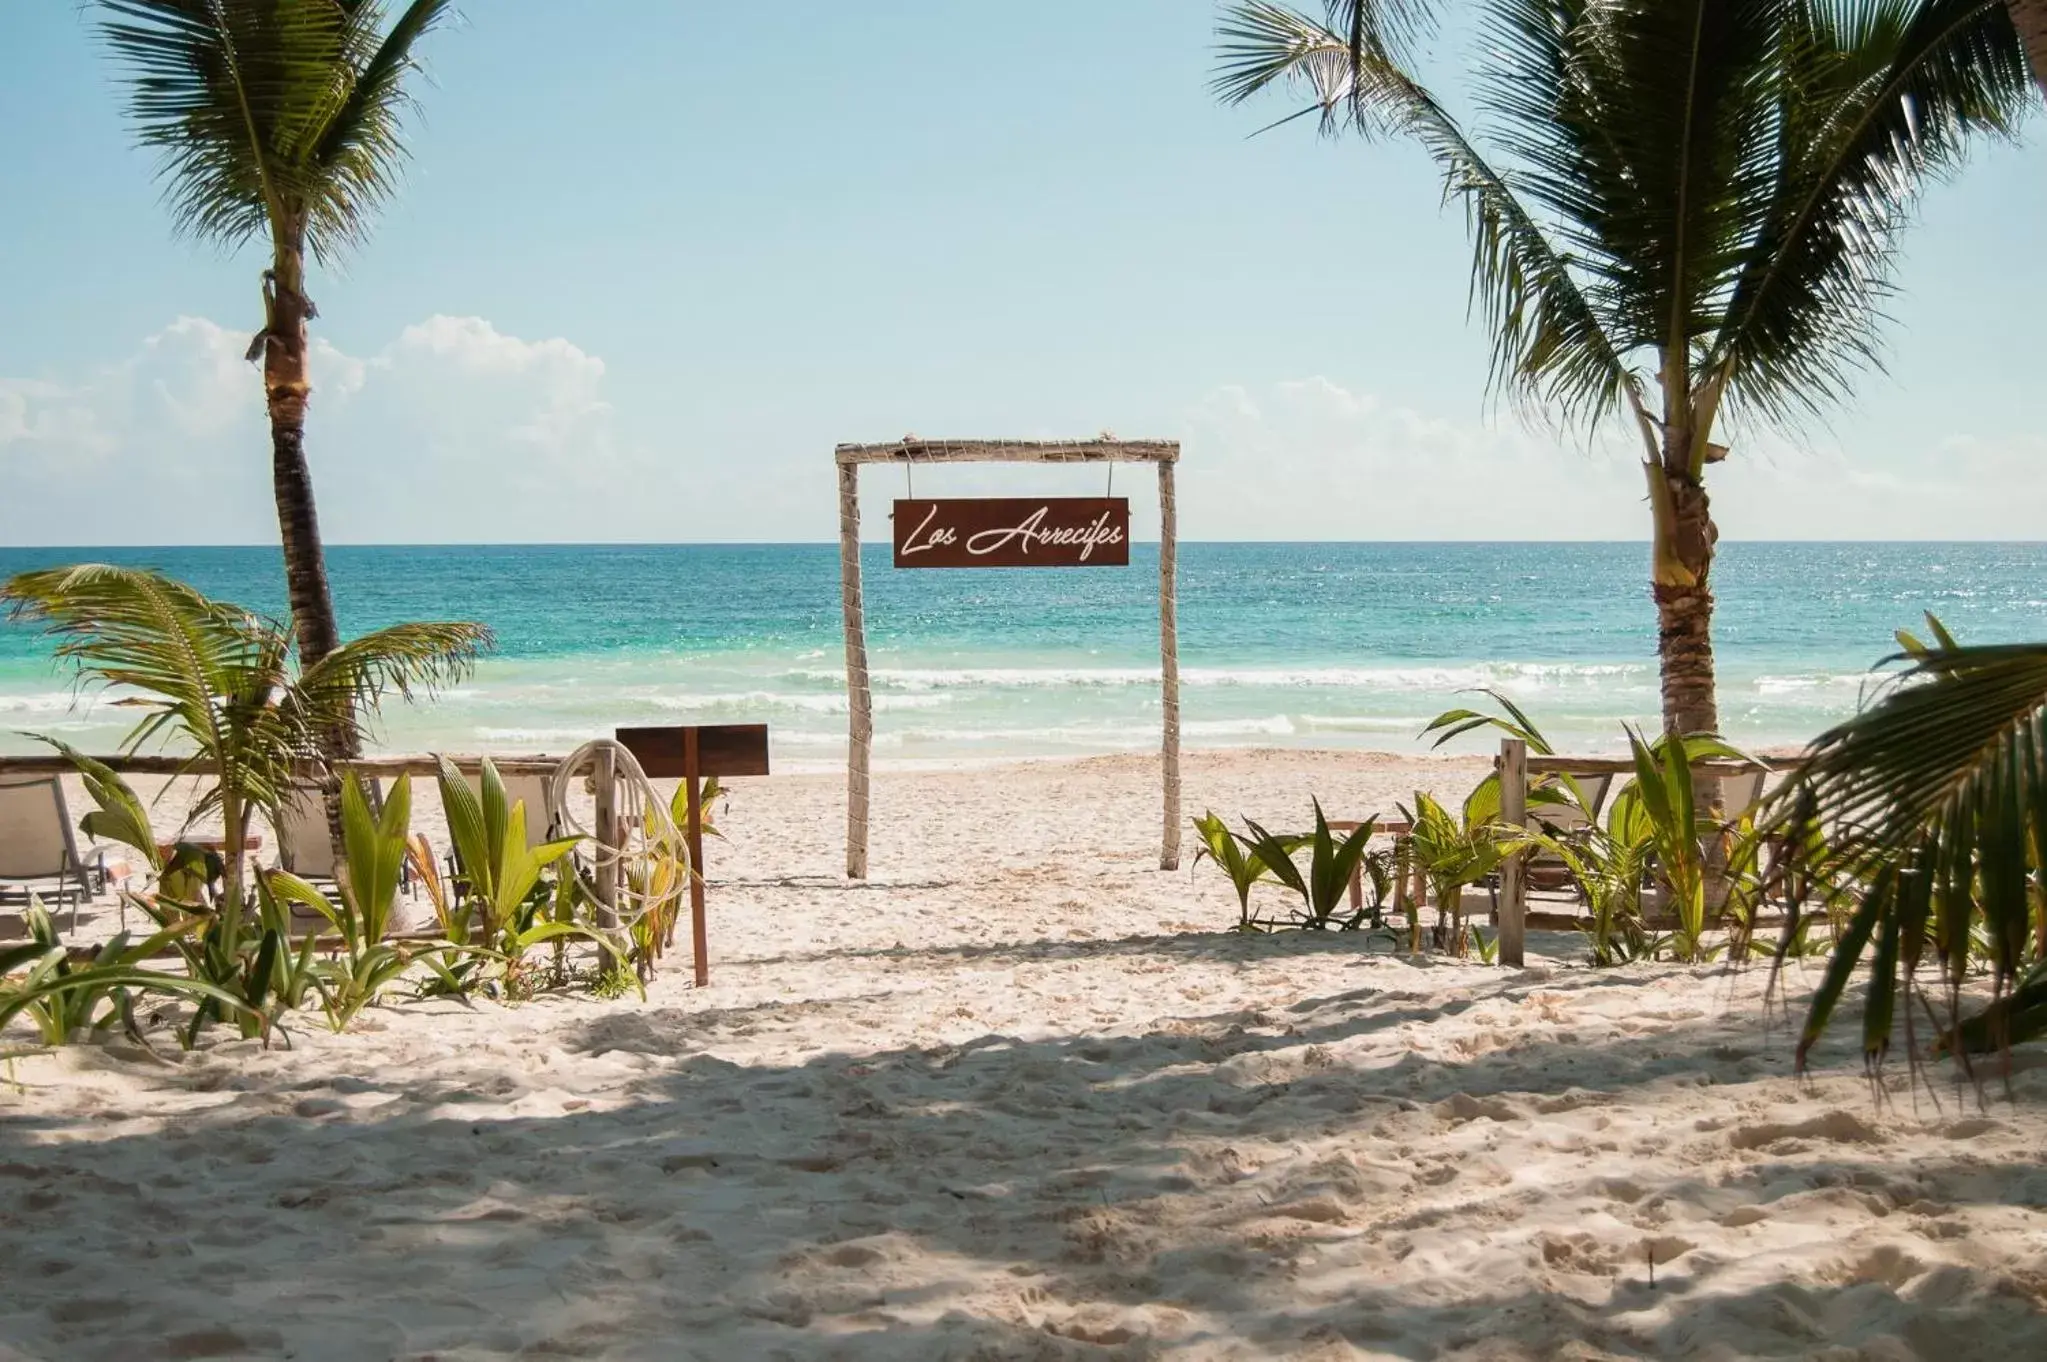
(38, 850)
(529, 790)
(305, 847)
(1739, 794)
(1544, 870)
(532, 790)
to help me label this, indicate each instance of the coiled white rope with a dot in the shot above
(646, 830)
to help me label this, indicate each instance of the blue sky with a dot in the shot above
(656, 257)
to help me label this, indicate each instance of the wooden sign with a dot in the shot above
(1013, 532)
(690, 754)
(721, 750)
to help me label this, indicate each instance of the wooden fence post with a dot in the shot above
(605, 778)
(1513, 888)
(693, 833)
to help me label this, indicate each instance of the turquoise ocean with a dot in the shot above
(1301, 645)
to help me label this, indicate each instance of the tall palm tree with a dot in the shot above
(1688, 211)
(278, 118)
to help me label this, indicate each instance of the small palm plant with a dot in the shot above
(360, 912)
(1452, 852)
(1672, 827)
(71, 1000)
(504, 904)
(1325, 885)
(1482, 805)
(1244, 866)
(1608, 869)
(222, 683)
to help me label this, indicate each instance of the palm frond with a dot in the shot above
(1934, 803)
(125, 627)
(1928, 746)
(1550, 341)
(346, 687)
(1641, 130)
(1877, 99)
(270, 115)
(1263, 44)
(361, 149)
(223, 679)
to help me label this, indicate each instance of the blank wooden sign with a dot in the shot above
(1013, 532)
(722, 750)
(690, 754)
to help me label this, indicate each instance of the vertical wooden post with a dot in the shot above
(606, 781)
(1169, 667)
(1513, 890)
(859, 704)
(699, 936)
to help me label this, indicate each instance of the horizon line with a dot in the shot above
(883, 543)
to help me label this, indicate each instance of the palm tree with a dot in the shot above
(1688, 212)
(277, 117)
(222, 682)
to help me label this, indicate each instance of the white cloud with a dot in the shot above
(1308, 459)
(452, 431)
(1965, 487)
(455, 431)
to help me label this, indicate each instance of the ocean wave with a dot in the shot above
(1443, 677)
(1272, 726)
(1784, 685)
(1083, 735)
(1362, 723)
(776, 700)
(50, 702)
(570, 737)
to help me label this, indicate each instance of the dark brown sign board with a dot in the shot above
(689, 754)
(722, 750)
(1013, 532)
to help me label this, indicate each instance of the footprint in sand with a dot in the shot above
(1838, 1127)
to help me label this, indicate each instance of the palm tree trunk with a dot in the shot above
(285, 390)
(1684, 605)
(1682, 584)
(2029, 17)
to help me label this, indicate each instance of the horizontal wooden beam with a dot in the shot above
(1012, 451)
(382, 767)
(1625, 766)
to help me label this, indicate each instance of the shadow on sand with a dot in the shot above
(1288, 1182)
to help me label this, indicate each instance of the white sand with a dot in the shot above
(1017, 1098)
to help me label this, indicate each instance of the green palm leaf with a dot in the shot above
(270, 115)
(1934, 802)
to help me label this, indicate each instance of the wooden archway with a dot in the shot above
(859, 697)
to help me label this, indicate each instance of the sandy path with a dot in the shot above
(1008, 1102)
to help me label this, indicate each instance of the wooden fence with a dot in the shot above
(1515, 766)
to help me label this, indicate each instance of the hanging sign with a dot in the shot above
(1013, 532)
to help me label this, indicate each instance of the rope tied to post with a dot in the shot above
(645, 836)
